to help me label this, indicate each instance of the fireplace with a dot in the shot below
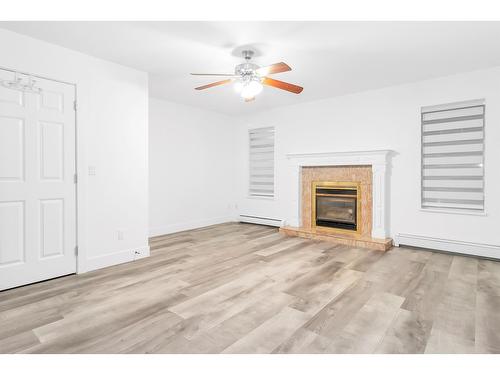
(336, 205)
(364, 172)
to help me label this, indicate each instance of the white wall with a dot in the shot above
(112, 131)
(384, 119)
(191, 167)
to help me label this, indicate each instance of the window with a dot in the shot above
(453, 156)
(261, 165)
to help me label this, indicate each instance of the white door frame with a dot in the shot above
(79, 263)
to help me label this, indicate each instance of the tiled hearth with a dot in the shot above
(366, 170)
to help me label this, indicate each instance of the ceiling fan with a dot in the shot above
(249, 78)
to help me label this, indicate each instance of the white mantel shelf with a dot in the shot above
(379, 160)
(368, 156)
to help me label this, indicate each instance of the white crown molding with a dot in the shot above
(377, 159)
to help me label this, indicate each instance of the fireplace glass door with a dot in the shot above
(336, 208)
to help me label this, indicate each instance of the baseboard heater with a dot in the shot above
(261, 220)
(452, 246)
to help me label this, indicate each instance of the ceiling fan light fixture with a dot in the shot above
(251, 89)
(238, 86)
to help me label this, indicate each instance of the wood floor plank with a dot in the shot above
(368, 327)
(446, 343)
(366, 261)
(281, 246)
(333, 318)
(423, 296)
(407, 334)
(439, 262)
(313, 298)
(456, 311)
(489, 277)
(464, 268)
(269, 335)
(299, 342)
(487, 339)
(19, 343)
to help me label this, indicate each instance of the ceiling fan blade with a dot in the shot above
(218, 83)
(282, 85)
(213, 74)
(273, 69)
(250, 99)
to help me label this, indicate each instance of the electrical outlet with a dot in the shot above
(120, 235)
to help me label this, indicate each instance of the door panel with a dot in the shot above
(51, 137)
(11, 233)
(11, 148)
(10, 96)
(51, 227)
(51, 101)
(37, 189)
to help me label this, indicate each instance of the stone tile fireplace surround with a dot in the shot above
(369, 169)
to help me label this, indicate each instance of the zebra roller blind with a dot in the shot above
(453, 156)
(261, 162)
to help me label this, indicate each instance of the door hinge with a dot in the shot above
(74, 105)
(75, 178)
(76, 250)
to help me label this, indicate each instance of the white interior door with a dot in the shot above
(37, 187)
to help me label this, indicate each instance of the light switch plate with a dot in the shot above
(91, 170)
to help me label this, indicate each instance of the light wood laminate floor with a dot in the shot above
(241, 288)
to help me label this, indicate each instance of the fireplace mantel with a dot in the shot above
(379, 160)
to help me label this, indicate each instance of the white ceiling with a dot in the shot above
(327, 58)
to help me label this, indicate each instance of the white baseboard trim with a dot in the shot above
(469, 248)
(174, 228)
(260, 220)
(115, 258)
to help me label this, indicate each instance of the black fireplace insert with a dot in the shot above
(336, 207)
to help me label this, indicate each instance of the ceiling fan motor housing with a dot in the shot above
(247, 70)
(247, 54)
